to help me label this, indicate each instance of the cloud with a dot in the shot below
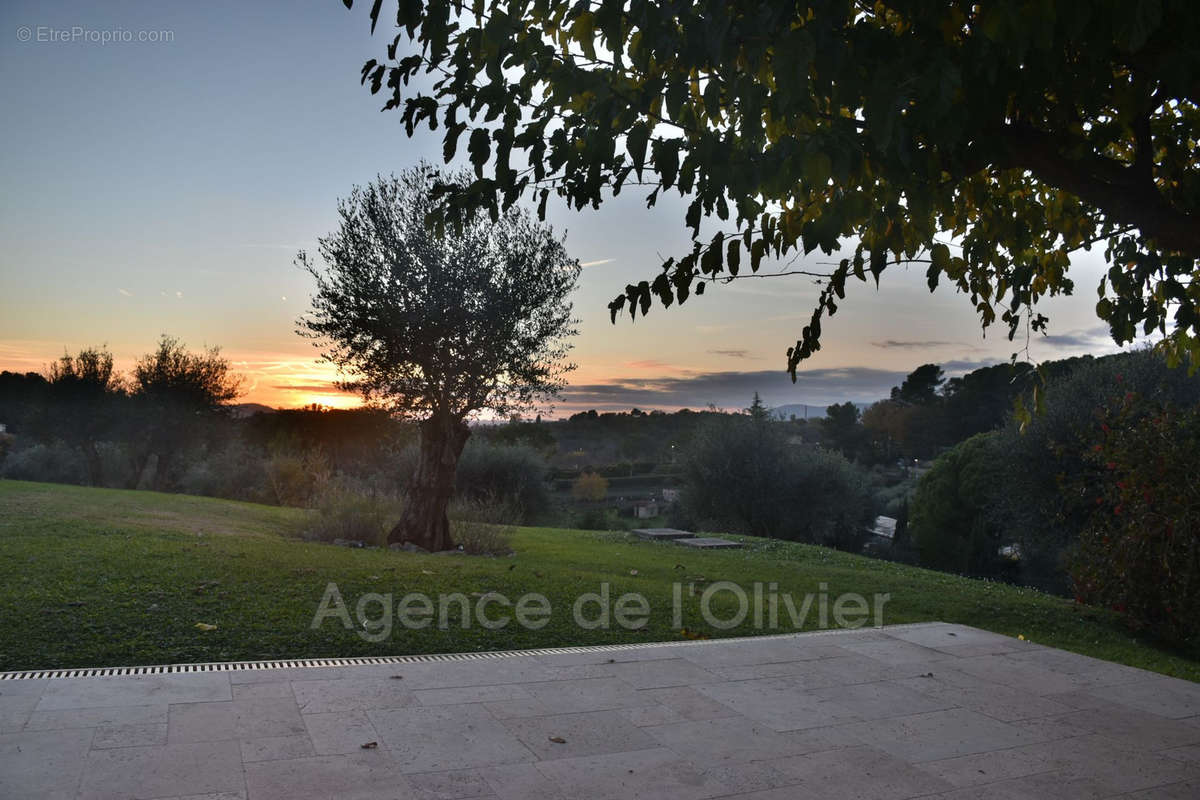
(913, 345)
(733, 353)
(649, 364)
(316, 388)
(125, 292)
(596, 263)
(1089, 338)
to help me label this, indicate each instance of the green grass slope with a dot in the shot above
(97, 577)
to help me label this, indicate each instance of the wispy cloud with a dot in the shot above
(733, 353)
(1088, 338)
(888, 343)
(597, 262)
(125, 292)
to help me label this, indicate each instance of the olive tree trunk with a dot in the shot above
(423, 521)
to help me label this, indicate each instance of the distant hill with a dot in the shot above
(243, 410)
(805, 411)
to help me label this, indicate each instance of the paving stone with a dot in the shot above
(688, 703)
(709, 543)
(340, 732)
(248, 691)
(939, 734)
(372, 776)
(779, 703)
(1001, 702)
(1186, 790)
(523, 782)
(661, 674)
(97, 717)
(472, 694)
(895, 651)
(163, 771)
(129, 735)
(71, 693)
(585, 734)
(1166, 697)
(1139, 730)
(42, 763)
(728, 739)
(658, 773)
(447, 737)
(452, 785)
(588, 694)
(273, 748)
(325, 696)
(881, 700)
(957, 640)
(1026, 677)
(251, 718)
(651, 715)
(715, 654)
(858, 773)
(662, 534)
(508, 709)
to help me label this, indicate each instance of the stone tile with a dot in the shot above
(237, 719)
(728, 739)
(290, 674)
(472, 694)
(489, 672)
(881, 700)
(166, 771)
(857, 773)
(779, 703)
(805, 671)
(349, 694)
(96, 717)
(650, 715)
(1186, 790)
(587, 694)
(273, 748)
(736, 653)
(958, 640)
(363, 776)
(261, 689)
(687, 703)
(1026, 677)
(134, 690)
(43, 763)
(1031, 787)
(452, 785)
(939, 734)
(894, 651)
(129, 735)
(585, 734)
(508, 709)
(342, 732)
(1189, 754)
(1139, 730)
(522, 782)
(586, 657)
(208, 796)
(1166, 697)
(753, 776)
(662, 674)
(1097, 763)
(1086, 672)
(658, 773)
(446, 737)
(1001, 702)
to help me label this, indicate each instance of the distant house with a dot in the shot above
(670, 495)
(645, 509)
(884, 528)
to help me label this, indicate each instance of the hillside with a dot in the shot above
(101, 577)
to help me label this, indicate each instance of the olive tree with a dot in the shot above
(439, 325)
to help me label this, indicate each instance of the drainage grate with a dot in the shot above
(368, 661)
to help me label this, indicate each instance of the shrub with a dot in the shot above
(234, 472)
(479, 526)
(1140, 552)
(594, 519)
(590, 487)
(510, 476)
(342, 511)
(297, 479)
(742, 475)
(49, 463)
(952, 522)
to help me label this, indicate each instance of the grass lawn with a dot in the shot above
(98, 577)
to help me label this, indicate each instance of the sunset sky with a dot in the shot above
(166, 187)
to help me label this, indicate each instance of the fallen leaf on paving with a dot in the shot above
(369, 745)
(558, 740)
(397, 677)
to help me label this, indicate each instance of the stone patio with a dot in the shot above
(930, 710)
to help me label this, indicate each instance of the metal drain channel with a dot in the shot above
(369, 661)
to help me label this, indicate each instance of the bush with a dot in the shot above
(234, 472)
(742, 475)
(590, 487)
(512, 477)
(479, 527)
(49, 463)
(297, 479)
(1140, 552)
(346, 512)
(952, 518)
(594, 519)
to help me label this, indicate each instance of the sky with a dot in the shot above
(163, 181)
